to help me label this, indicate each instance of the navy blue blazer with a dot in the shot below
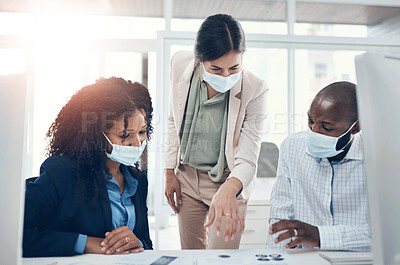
(54, 216)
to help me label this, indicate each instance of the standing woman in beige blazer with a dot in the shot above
(216, 118)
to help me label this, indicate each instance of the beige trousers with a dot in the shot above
(197, 192)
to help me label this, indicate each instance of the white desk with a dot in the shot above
(299, 257)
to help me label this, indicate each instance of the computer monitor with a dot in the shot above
(378, 93)
(13, 157)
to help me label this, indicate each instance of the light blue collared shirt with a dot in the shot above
(122, 208)
(331, 196)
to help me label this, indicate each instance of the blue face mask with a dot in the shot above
(219, 83)
(324, 146)
(126, 155)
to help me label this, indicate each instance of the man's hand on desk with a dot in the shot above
(305, 234)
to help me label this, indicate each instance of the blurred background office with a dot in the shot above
(297, 46)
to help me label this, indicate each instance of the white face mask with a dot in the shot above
(324, 146)
(219, 83)
(126, 155)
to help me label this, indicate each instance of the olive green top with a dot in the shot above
(204, 129)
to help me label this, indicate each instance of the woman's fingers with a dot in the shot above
(218, 220)
(136, 250)
(231, 216)
(172, 188)
(133, 244)
(234, 225)
(121, 241)
(211, 216)
(178, 195)
(117, 238)
(118, 241)
(228, 225)
(125, 247)
(241, 220)
(171, 201)
(111, 237)
(122, 253)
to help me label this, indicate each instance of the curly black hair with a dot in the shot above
(77, 130)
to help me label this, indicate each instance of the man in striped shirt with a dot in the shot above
(319, 198)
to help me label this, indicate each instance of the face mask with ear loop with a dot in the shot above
(324, 146)
(123, 154)
(220, 83)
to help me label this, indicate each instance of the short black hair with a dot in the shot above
(342, 92)
(218, 35)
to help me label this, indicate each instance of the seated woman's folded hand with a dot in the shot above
(121, 241)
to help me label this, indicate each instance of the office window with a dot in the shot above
(16, 24)
(65, 63)
(180, 47)
(12, 61)
(104, 27)
(314, 70)
(337, 30)
(58, 75)
(127, 65)
(320, 70)
(270, 64)
(263, 27)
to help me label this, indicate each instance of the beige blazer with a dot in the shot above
(246, 120)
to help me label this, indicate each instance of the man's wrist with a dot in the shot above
(329, 237)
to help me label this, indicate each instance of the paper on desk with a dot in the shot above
(147, 258)
(56, 261)
(250, 257)
(87, 259)
(39, 261)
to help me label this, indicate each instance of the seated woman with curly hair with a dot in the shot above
(91, 194)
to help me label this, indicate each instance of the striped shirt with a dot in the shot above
(329, 195)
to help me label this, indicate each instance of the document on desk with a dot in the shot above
(152, 258)
(246, 257)
(39, 261)
(60, 261)
(144, 258)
